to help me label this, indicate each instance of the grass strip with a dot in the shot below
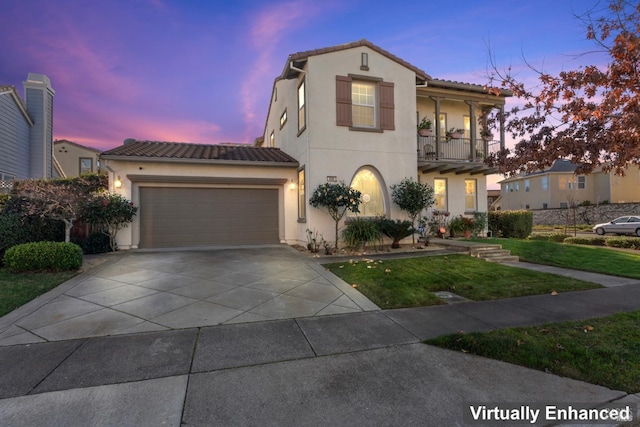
(603, 351)
(18, 289)
(410, 282)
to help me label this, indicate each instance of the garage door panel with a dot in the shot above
(171, 217)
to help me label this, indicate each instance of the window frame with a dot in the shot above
(381, 187)
(374, 107)
(283, 118)
(445, 195)
(80, 168)
(302, 109)
(474, 195)
(302, 196)
(544, 183)
(383, 108)
(272, 139)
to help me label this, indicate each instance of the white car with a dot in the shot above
(622, 225)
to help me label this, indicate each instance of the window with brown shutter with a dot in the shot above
(343, 101)
(354, 103)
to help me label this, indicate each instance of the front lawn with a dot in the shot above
(586, 258)
(603, 351)
(411, 282)
(19, 289)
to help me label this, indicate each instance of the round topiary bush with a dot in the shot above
(38, 256)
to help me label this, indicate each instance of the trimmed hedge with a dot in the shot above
(38, 256)
(516, 224)
(594, 241)
(16, 228)
(552, 237)
(623, 242)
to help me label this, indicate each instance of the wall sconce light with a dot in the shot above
(292, 185)
(118, 182)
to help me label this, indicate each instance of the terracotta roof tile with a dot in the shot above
(182, 150)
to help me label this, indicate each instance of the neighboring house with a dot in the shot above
(344, 113)
(73, 159)
(559, 187)
(493, 200)
(26, 130)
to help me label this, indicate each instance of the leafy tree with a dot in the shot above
(590, 115)
(337, 199)
(49, 198)
(111, 212)
(412, 197)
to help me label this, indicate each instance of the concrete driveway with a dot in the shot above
(143, 291)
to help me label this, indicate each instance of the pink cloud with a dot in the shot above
(268, 28)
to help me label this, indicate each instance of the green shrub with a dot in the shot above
(551, 237)
(395, 230)
(361, 231)
(17, 228)
(516, 224)
(96, 243)
(594, 241)
(623, 242)
(37, 256)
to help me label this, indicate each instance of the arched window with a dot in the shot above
(372, 202)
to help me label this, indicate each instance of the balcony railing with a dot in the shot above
(459, 149)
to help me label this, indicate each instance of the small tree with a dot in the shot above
(111, 212)
(412, 197)
(53, 199)
(337, 199)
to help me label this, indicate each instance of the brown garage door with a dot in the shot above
(171, 217)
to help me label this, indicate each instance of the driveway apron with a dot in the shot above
(143, 291)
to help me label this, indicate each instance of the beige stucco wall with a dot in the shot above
(327, 150)
(200, 174)
(68, 156)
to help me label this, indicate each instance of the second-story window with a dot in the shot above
(302, 118)
(283, 118)
(272, 140)
(86, 165)
(364, 103)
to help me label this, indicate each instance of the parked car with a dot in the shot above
(622, 225)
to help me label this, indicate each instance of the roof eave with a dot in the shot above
(200, 161)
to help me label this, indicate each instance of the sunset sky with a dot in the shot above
(202, 71)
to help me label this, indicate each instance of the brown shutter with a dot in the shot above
(343, 101)
(387, 121)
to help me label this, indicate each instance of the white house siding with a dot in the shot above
(200, 175)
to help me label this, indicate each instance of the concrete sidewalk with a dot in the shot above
(352, 369)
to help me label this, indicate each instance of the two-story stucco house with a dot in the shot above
(350, 113)
(26, 130)
(343, 113)
(559, 187)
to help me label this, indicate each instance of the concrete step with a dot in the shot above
(495, 253)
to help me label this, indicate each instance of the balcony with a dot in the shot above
(455, 155)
